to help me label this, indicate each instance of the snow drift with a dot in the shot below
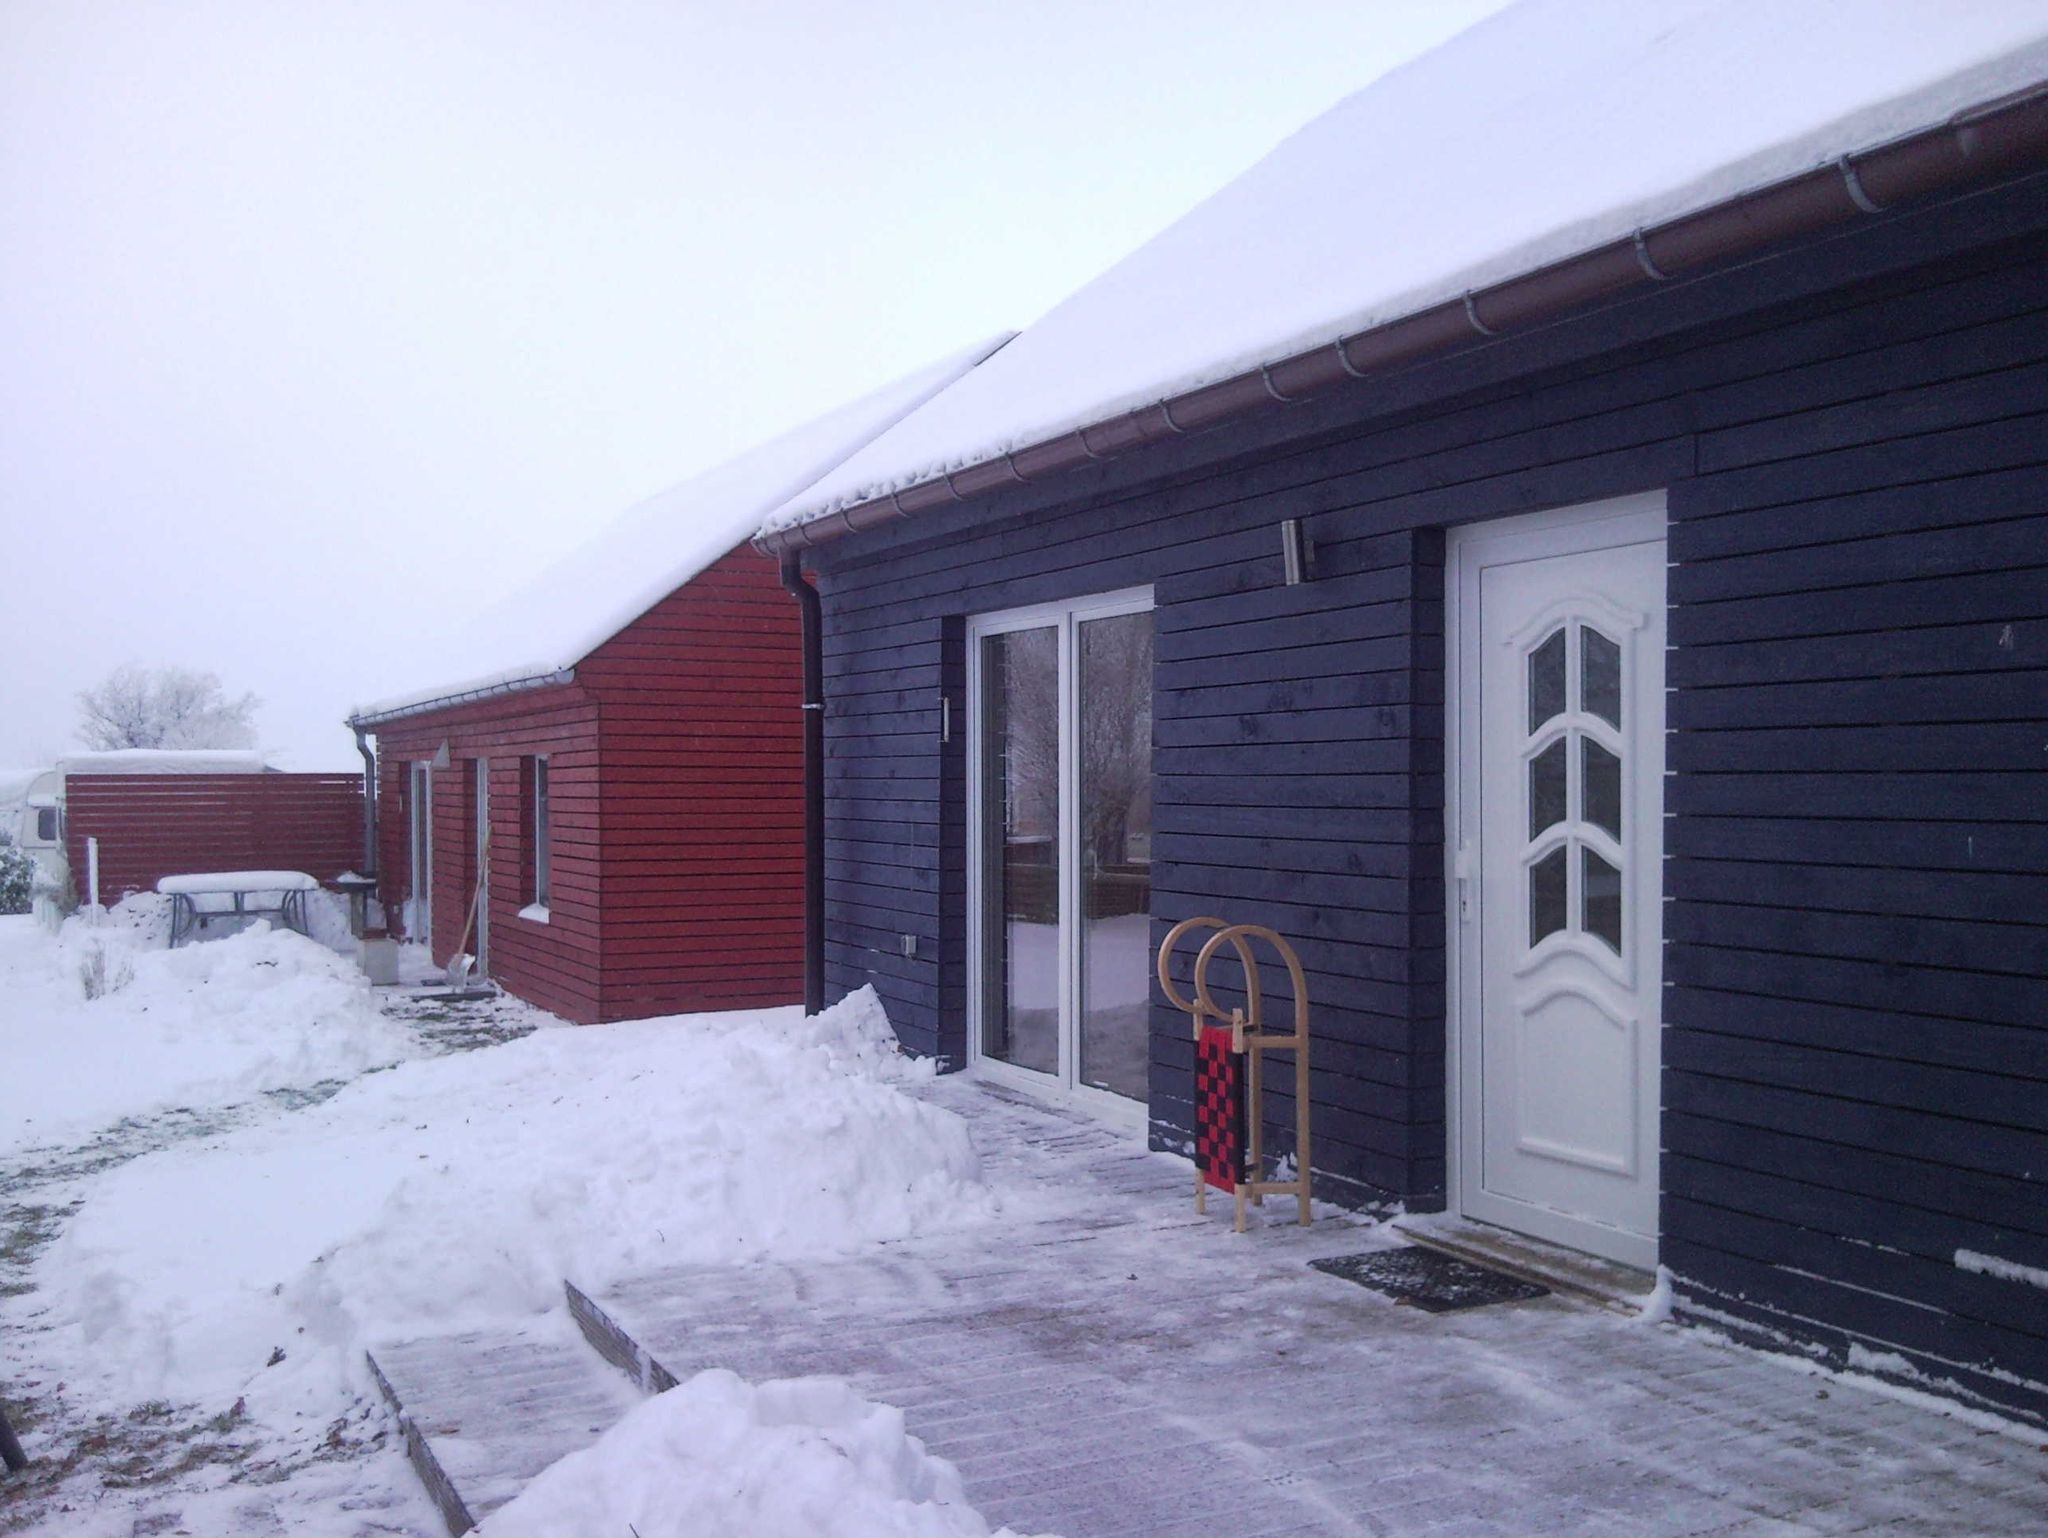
(797, 1458)
(108, 1024)
(453, 1192)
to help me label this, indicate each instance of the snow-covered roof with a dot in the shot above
(1550, 129)
(164, 761)
(654, 547)
(16, 784)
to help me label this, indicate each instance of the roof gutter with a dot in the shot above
(1974, 148)
(369, 720)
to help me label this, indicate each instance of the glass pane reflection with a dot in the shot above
(1547, 895)
(1600, 786)
(1600, 897)
(1546, 788)
(1020, 810)
(1546, 679)
(1599, 675)
(1115, 657)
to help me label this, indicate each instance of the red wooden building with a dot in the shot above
(609, 799)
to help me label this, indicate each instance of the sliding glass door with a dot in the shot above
(1061, 853)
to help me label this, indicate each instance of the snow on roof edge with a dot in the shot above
(532, 675)
(727, 501)
(1862, 127)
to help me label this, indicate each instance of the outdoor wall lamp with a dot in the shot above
(1297, 552)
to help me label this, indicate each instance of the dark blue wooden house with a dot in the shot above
(1565, 539)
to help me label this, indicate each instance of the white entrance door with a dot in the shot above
(1556, 836)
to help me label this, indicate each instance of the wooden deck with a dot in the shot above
(1107, 1365)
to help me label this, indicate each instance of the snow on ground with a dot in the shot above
(796, 1458)
(106, 1024)
(185, 1314)
(459, 1191)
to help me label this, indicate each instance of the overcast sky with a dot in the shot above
(320, 323)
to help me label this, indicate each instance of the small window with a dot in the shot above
(537, 792)
(1546, 679)
(46, 825)
(1547, 878)
(1547, 788)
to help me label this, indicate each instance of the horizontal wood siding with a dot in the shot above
(1852, 439)
(702, 797)
(154, 825)
(556, 964)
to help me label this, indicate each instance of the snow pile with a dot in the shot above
(1657, 1305)
(1549, 129)
(457, 1191)
(799, 1458)
(105, 1024)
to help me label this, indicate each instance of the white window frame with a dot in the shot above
(1066, 615)
(419, 915)
(480, 805)
(539, 828)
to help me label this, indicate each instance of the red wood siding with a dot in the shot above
(676, 796)
(702, 796)
(155, 825)
(556, 964)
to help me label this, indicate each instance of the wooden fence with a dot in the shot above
(152, 825)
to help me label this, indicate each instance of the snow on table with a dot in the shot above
(203, 898)
(210, 882)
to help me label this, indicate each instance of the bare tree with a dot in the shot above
(136, 707)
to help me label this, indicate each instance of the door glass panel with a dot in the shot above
(1600, 895)
(1115, 711)
(1600, 675)
(1546, 895)
(1546, 679)
(1020, 837)
(1600, 786)
(1546, 788)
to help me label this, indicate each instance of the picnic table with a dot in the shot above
(207, 897)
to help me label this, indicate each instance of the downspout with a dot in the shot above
(806, 597)
(369, 800)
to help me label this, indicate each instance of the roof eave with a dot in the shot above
(1978, 147)
(370, 720)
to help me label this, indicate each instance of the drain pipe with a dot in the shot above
(806, 597)
(369, 798)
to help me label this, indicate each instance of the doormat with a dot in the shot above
(1429, 1279)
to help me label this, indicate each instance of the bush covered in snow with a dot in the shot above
(17, 876)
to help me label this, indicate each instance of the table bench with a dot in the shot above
(207, 897)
